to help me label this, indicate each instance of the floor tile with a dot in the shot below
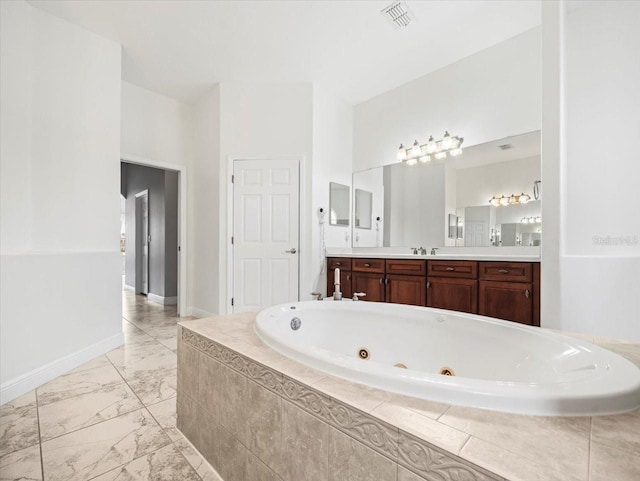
(95, 450)
(76, 383)
(204, 470)
(165, 464)
(165, 413)
(609, 464)
(152, 385)
(25, 401)
(22, 465)
(18, 429)
(85, 410)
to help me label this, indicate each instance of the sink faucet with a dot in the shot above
(318, 295)
(423, 251)
(357, 296)
(433, 251)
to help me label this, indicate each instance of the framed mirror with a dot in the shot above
(339, 196)
(363, 209)
(447, 202)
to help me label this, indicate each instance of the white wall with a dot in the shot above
(332, 162)
(60, 170)
(600, 168)
(490, 95)
(155, 126)
(205, 218)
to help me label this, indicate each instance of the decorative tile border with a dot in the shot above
(413, 453)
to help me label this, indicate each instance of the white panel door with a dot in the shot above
(266, 212)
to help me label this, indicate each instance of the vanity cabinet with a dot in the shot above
(369, 277)
(453, 285)
(504, 290)
(405, 281)
(344, 264)
(510, 291)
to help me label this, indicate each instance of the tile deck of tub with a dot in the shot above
(516, 447)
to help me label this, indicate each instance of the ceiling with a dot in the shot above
(181, 48)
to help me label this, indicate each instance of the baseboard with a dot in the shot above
(165, 301)
(31, 380)
(127, 287)
(199, 313)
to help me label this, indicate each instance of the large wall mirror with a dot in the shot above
(418, 205)
(339, 197)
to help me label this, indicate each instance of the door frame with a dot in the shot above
(182, 220)
(139, 284)
(227, 247)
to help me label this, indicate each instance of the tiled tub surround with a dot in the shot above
(254, 415)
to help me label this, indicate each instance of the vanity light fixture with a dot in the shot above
(438, 149)
(531, 220)
(524, 198)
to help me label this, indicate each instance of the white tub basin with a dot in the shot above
(498, 365)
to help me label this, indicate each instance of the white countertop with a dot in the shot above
(497, 254)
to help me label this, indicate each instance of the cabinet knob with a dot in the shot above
(366, 264)
(527, 293)
(503, 271)
(428, 285)
(348, 277)
(451, 268)
(338, 263)
(381, 280)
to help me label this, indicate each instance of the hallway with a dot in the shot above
(112, 418)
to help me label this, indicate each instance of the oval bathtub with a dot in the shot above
(498, 365)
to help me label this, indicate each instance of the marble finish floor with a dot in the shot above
(110, 419)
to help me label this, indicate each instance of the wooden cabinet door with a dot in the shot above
(512, 301)
(372, 284)
(406, 290)
(454, 294)
(345, 283)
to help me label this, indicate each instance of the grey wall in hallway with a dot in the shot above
(163, 216)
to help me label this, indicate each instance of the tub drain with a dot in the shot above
(363, 353)
(400, 365)
(447, 371)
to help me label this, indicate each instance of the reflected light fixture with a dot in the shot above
(438, 149)
(513, 199)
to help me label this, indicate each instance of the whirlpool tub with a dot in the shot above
(453, 358)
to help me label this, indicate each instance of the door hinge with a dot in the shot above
(233, 178)
(231, 240)
(178, 248)
(232, 301)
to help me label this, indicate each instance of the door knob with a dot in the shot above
(292, 250)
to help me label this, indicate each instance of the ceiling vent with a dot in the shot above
(505, 146)
(398, 14)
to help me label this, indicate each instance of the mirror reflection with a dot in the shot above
(339, 195)
(362, 216)
(447, 202)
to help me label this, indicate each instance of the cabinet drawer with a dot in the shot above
(368, 265)
(343, 263)
(506, 271)
(459, 269)
(406, 267)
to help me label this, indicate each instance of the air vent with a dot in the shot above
(505, 146)
(398, 14)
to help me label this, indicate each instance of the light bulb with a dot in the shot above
(513, 199)
(504, 200)
(538, 220)
(411, 161)
(494, 201)
(415, 150)
(455, 152)
(441, 155)
(447, 141)
(432, 146)
(524, 198)
(402, 153)
(425, 158)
